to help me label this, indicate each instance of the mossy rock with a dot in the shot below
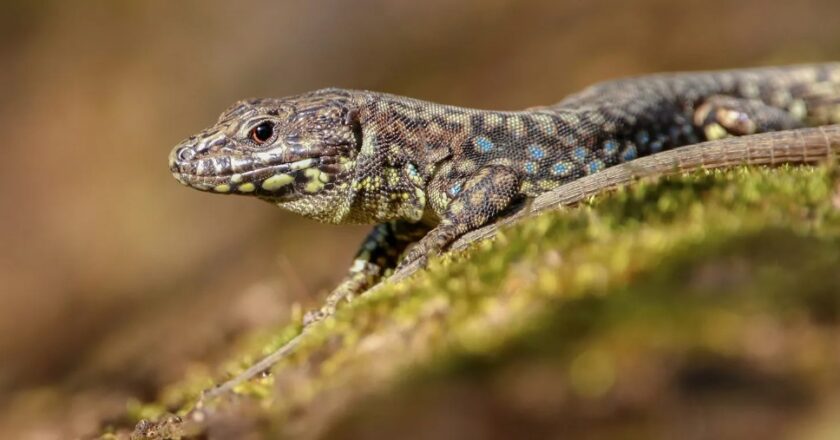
(704, 305)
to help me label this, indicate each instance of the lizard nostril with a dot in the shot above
(184, 154)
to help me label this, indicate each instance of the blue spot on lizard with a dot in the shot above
(595, 166)
(561, 169)
(536, 151)
(483, 144)
(531, 167)
(629, 153)
(579, 154)
(455, 189)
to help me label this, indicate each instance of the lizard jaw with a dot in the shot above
(261, 174)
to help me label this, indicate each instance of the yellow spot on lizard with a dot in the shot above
(313, 187)
(315, 183)
(477, 197)
(301, 164)
(797, 109)
(277, 181)
(714, 131)
(492, 120)
(466, 166)
(526, 186)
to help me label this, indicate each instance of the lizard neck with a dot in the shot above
(391, 169)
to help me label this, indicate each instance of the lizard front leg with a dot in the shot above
(378, 253)
(480, 198)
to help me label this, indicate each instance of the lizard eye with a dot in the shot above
(263, 132)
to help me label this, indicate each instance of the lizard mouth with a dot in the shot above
(268, 174)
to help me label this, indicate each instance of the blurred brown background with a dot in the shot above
(114, 278)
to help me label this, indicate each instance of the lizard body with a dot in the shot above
(426, 174)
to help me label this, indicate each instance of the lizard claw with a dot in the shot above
(415, 256)
(430, 245)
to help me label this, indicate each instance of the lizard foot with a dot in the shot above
(723, 116)
(430, 245)
(416, 256)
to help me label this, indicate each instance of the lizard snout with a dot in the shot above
(192, 150)
(180, 156)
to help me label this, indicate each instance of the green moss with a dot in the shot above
(725, 325)
(665, 268)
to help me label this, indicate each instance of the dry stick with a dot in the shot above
(801, 146)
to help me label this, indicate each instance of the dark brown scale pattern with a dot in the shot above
(420, 169)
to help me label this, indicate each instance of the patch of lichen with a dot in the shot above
(578, 283)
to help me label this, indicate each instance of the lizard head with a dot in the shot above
(291, 151)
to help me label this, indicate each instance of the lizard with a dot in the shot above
(424, 174)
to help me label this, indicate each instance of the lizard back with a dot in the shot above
(348, 156)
